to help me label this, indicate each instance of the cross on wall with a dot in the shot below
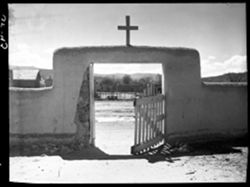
(128, 28)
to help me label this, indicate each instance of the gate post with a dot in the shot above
(166, 117)
(91, 105)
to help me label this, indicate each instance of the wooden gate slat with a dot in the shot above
(163, 112)
(146, 124)
(143, 126)
(148, 117)
(152, 120)
(148, 114)
(136, 124)
(155, 113)
(161, 104)
(139, 125)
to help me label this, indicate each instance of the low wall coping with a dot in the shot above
(224, 83)
(17, 89)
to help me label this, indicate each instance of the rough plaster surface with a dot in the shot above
(192, 108)
(82, 118)
(37, 144)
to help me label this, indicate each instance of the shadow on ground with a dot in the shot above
(169, 154)
(159, 154)
(211, 148)
(94, 153)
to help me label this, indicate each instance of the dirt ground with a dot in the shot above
(114, 122)
(110, 161)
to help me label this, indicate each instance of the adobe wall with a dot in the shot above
(70, 64)
(193, 109)
(29, 107)
(215, 112)
(34, 124)
(198, 111)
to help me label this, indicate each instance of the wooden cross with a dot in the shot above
(128, 28)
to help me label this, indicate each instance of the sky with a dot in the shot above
(217, 31)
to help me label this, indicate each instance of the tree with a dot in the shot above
(158, 79)
(126, 79)
(144, 81)
(49, 81)
(107, 84)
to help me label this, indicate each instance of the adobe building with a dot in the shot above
(63, 115)
(25, 78)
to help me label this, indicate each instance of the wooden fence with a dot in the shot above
(152, 89)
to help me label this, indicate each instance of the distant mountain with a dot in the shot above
(138, 76)
(113, 76)
(135, 76)
(228, 77)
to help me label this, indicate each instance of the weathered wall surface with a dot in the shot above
(29, 107)
(198, 112)
(35, 111)
(34, 123)
(227, 104)
(214, 112)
